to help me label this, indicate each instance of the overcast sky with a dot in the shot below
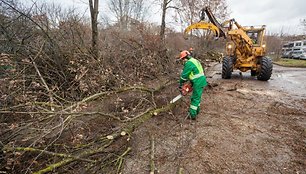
(277, 15)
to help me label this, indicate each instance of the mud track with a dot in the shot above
(245, 126)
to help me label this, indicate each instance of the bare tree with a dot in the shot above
(163, 22)
(94, 26)
(126, 10)
(303, 23)
(138, 10)
(166, 4)
(275, 43)
(189, 10)
(189, 13)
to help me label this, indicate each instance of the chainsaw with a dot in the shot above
(184, 91)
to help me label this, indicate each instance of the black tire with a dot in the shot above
(227, 67)
(266, 67)
(253, 73)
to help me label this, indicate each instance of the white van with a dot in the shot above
(287, 49)
(294, 49)
(298, 54)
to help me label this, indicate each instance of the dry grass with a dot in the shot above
(291, 62)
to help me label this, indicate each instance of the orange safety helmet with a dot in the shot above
(184, 54)
(190, 49)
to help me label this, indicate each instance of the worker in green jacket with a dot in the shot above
(193, 72)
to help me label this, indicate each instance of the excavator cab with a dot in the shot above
(256, 34)
(245, 47)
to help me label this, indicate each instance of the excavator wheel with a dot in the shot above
(227, 67)
(266, 67)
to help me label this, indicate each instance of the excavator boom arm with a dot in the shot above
(213, 20)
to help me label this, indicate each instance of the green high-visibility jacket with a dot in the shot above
(193, 71)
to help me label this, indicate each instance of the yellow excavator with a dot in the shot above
(245, 47)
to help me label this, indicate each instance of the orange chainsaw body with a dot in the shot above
(186, 88)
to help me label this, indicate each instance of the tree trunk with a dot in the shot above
(163, 22)
(94, 27)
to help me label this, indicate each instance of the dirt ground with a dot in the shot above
(245, 126)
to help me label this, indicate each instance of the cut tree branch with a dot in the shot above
(41, 77)
(29, 149)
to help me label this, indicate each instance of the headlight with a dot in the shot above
(229, 46)
(263, 45)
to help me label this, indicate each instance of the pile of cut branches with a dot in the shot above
(87, 136)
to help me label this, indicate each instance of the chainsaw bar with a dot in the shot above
(176, 98)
